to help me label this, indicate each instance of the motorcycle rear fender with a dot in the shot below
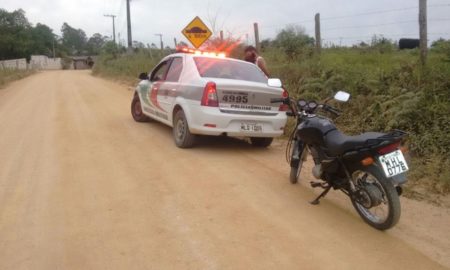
(399, 179)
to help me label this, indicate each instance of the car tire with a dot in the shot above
(136, 110)
(261, 142)
(181, 134)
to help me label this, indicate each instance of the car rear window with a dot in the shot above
(228, 69)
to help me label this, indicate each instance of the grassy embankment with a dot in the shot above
(389, 90)
(9, 75)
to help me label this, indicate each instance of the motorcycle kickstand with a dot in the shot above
(317, 200)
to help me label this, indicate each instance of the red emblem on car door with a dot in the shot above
(154, 95)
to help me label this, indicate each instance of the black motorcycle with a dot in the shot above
(369, 168)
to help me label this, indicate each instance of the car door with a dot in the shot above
(149, 95)
(169, 89)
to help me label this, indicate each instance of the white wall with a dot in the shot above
(43, 62)
(14, 64)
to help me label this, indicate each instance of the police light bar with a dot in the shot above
(201, 52)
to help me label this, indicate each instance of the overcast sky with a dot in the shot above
(342, 20)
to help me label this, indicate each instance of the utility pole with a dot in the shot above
(114, 26)
(176, 43)
(160, 40)
(423, 31)
(130, 40)
(318, 39)
(258, 46)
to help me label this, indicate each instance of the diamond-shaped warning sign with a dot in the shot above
(197, 32)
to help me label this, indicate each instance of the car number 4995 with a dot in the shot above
(393, 163)
(235, 98)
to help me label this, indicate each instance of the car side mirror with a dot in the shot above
(143, 76)
(342, 96)
(274, 83)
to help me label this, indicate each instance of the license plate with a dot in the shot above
(250, 127)
(393, 163)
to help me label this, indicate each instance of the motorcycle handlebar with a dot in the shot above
(332, 110)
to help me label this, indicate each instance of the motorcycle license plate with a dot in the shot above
(251, 127)
(393, 163)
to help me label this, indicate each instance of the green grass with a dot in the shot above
(126, 67)
(390, 90)
(9, 75)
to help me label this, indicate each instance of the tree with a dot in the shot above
(43, 39)
(15, 41)
(73, 39)
(294, 41)
(95, 43)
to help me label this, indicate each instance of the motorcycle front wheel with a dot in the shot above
(296, 170)
(376, 199)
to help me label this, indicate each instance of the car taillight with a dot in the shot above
(389, 148)
(284, 107)
(210, 95)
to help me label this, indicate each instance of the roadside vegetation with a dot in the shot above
(390, 90)
(9, 75)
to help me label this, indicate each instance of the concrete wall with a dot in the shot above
(43, 62)
(36, 62)
(14, 64)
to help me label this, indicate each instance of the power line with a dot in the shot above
(357, 15)
(382, 11)
(381, 24)
(384, 35)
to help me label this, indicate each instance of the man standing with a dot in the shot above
(251, 55)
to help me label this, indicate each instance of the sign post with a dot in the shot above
(197, 32)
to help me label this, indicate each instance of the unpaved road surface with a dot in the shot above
(83, 186)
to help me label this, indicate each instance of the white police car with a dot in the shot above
(208, 94)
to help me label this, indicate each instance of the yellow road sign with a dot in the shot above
(197, 32)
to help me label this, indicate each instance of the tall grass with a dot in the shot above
(9, 75)
(127, 67)
(390, 90)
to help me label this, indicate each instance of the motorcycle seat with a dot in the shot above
(338, 143)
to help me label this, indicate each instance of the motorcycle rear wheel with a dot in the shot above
(372, 182)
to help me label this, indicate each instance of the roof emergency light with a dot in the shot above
(201, 52)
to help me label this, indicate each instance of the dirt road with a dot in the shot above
(83, 186)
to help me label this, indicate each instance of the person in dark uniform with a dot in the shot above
(251, 55)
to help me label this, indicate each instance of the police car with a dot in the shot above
(206, 93)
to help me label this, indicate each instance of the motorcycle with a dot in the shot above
(369, 168)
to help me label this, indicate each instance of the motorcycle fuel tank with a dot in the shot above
(313, 130)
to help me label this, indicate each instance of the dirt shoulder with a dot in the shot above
(83, 186)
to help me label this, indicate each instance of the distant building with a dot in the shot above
(83, 62)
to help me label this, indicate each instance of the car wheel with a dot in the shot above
(136, 110)
(181, 134)
(261, 142)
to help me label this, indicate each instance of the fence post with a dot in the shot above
(257, 44)
(423, 31)
(318, 38)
